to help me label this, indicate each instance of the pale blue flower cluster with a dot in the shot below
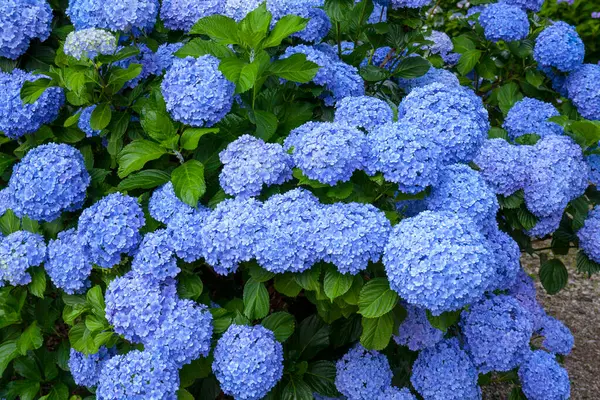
(546, 225)
(84, 121)
(434, 75)
(318, 22)
(363, 374)
(531, 5)
(593, 161)
(90, 43)
(583, 87)
(497, 331)
(155, 257)
(86, 368)
(110, 228)
(542, 378)
(135, 16)
(439, 261)
(145, 58)
(393, 393)
(445, 372)
(18, 252)
(589, 235)
(523, 290)
(442, 45)
(558, 338)
(184, 230)
(49, 180)
(507, 254)
(164, 204)
(531, 116)
(559, 46)
(68, 266)
(183, 14)
(165, 57)
(416, 331)
(22, 21)
(363, 112)
(196, 92)
(502, 165)
(501, 21)
(249, 163)
(395, 4)
(138, 375)
(238, 9)
(248, 361)
(17, 118)
(454, 116)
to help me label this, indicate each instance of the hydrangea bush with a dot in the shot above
(292, 199)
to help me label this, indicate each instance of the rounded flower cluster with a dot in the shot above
(442, 45)
(89, 43)
(156, 257)
(238, 9)
(408, 3)
(507, 254)
(542, 378)
(559, 46)
(328, 152)
(382, 57)
(86, 14)
(18, 252)
(531, 116)
(546, 225)
(138, 375)
(439, 261)
(497, 331)
(363, 374)
(363, 111)
(249, 163)
(183, 14)
(393, 393)
(196, 92)
(248, 362)
(445, 371)
(17, 118)
(531, 5)
(416, 331)
(502, 165)
(523, 290)
(501, 21)
(164, 204)
(593, 161)
(128, 16)
(68, 265)
(318, 22)
(434, 75)
(50, 179)
(583, 87)
(454, 116)
(110, 228)
(589, 235)
(84, 121)
(86, 368)
(405, 154)
(184, 230)
(21, 21)
(146, 58)
(558, 338)
(165, 57)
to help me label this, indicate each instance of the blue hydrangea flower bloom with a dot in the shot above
(289, 239)
(18, 119)
(165, 57)
(558, 338)
(559, 46)
(110, 228)
(416, 332)
(138, 375)
(249, 163)
(86, 14)
(445, 372)
(134, 16)
(183, 14)
(545, 225)
(86, 368)
(583, 87)
(508, 256)
(393, 393)
(363, 374)
(463, 191)
(593, 162)
(184, 334)
(395, 4)
(238, 9)
(318, 22)
(229, 234)
(502, 165)
(501, 21)
(405, 154)
(531, 5)
(439, 261)
(557, 174)
(434, 75)
(454, 116)
(531, 116)
(328, 152)
(353, 235)
(146, 58)
(558, 80)
(18, 252)
(589, 235)
(68, 266)
(84, 121)
(363, 112)
(164, 204)
(196, 92)
(184, 229)
(523, 290)
(156, 256)
(5, 201)
(90, 43)
(382, 57)
(137, 306)
(50, 179)
(21, 22)
(248, 361)
(542, 378)
(442, 45)
(497, 331)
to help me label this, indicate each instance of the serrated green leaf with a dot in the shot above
(147, 179)
(553, 275)
(199, 47)
(295, 68)
(335, 283)
(444, 320)
(30, 339)
(281, 323)
(189, 286)
(191, 136)
(220, 28)
(101, 117)
(320, 376)
(377, 332)
(32, 90)
(136, 154)
(412, 67)
(468, 61)
(286, 26)
(256, 299)
(37, 287)
(188, 182)
(376, 298)
(309, 279)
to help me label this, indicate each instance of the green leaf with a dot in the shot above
(248, 76)
(352, 296)
(37, 287)
(59, 391)
(220, 28)
(462, 44)
(281, 323)
(412, 67)
(376, 298)
(5, 162)
(335, 283)
(285, 27)
(232, 68)
(586, 133)
(374, 73)
(468, 60)
(101, 117)
(508, 95)
(254, 27)
(296, 389)
(266, 124)
(189, 286)
(377, 332)
(338, 10)
(119, 76)
(122, 54)
(534, 78)
(9, 223)
(256, 300)
(75, 81)
(95, 298)
(585, 265)
(136, 154)
(94, 323)
(156, 122)
(444, 320)
(310, 338)
(147, 179)
(8, 351)
(487, 68)
(183, 394)
(526, 218)
(198, 369)
(117, 128)
(199, 47)
(295, 68)
(286, 284)
(517, 394)
(309, 279)
(30, 339)
(260, 274)
(191, 136)
(81, 339)
(553, 275)
(188, 182)
(22, 390)
(32, 90)
(320, 376)
(27, 367)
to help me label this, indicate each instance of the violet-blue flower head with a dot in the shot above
(524, 291)
(558, 338)
(18, 252)
(363, 112)
(502, 165)
(184, 229)
(531, 5)
(434, 75)
(589, 235)
(501, 21)
(542, 378)
(395, 4)
(363, 374)
(155, 256)
(22, 21)
(546, 225)
(84, 121)
(531, 116)
(68, 265)
(164, 204)
(146, 58)
(507, 258)
(593, 162)
(165, 57)
(238, 9)
(85, 369)
(183, 14)
(559, 46)
(393, 393)
(583, 87)
(416, 331)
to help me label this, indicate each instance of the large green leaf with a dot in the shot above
(468, 61)
(376, 298)
(220, 28)
(146, 179)
(30, 339)
(335, 283)
(191, 136)
(296, 389)
(200, 47)
(8, 351)
(136, 154)
(32, 90)
(188, 182)
(281, 323)
(412, 67)
(256, 299)
(189, 286)
(119, 76)
(286, 284)
(320, 376)
(286, 26)
(295, 68)
(554, 275)
(377, 332)
(310, 338)
(101, 117)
